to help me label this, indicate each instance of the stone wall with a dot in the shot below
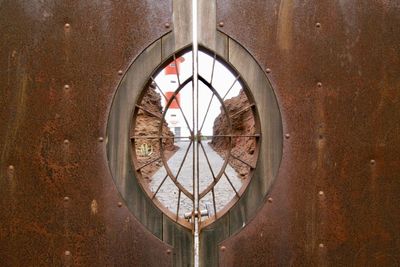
(242, 124)
(148, 125)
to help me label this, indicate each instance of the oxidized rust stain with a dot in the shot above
(344, 135)
(335, 68)
(59, 66)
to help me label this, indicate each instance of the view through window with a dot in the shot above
(178, 134)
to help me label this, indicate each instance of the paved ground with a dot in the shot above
(168, 193)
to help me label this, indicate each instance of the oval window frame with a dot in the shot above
(169, 60)
(118, 143)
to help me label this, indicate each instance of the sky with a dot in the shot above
(222, 81)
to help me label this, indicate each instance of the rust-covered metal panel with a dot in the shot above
(335, 68)
(59, 64)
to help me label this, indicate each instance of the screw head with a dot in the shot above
(287, 136)
(268, 70)
(321, 245)
(66, 141)
(372, 161)
(321, 193)
(67, 253)
(319, 84)
(66, 199)
(67, 25)
(120, 72)
(167, 25)
(11, 167)
(318, 25)
(223, 248)
(119, 204)
(221, 24)
(101, 139)
(66, 87)
(270, 199)
(169, 251)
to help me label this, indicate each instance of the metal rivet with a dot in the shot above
(319, 84)
(67, 253)
(120, 72)
(101, 139)
(120, 204)
(169, 251)
(268, 70)
(66, 141)
(66, 199)
(270, 200)
(221, 24)
(321, 193)
(66, 87)
(321, 245)
(287, 136)
(11, 167)
(167, 25)
(372, 161)
(318, 25)
(223, 248)
(67, 25)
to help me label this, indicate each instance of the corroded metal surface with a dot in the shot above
(335, 66)
(59, 66)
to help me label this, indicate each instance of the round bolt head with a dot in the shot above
(67, 253)
(287, 136)
(119, 204)
(101, 139)
(67, 25)
(221, 24)
(167, 25)
(319, 84)
(321, 245)
(318, 25)
(66, 199)
(120, 72)
(321, 193)
(268, 70)
(270, 200)
(169, 251)
(11, 167)
(372, 161)
(66, 87)
(66, 141)
(223, 248)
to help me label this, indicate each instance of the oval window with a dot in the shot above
(195, 138)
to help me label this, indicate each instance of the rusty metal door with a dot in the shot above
(332, 65)
(60, 64)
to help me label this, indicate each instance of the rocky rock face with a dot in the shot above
(242, 124)
(148, 125)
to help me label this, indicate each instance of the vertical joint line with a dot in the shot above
(195, 128)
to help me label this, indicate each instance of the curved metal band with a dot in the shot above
(226, 161)
(164, 160)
